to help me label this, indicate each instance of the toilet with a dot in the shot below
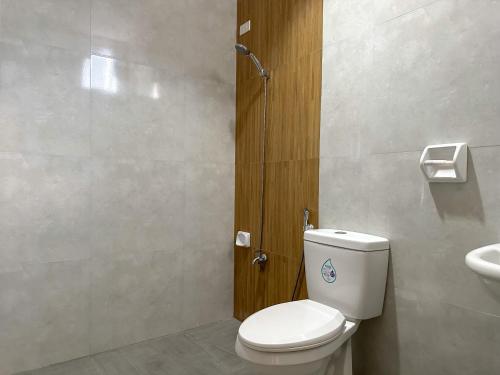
(346, 274)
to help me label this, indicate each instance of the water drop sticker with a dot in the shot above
(328, 272)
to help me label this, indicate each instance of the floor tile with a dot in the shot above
(208, 350)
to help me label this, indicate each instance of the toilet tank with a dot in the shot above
(346, 270)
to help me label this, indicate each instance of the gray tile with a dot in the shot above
(141, 356)
(464, 341)
(43, 106)
(210, 128)
(400, 352)
(209, 205)
(344, 109)
(228, 361)
(436, 226)
(218, 333)
(385, 10)
(83, 366)
(137, 111)
(204, 302)
(209, 47)
(430, 234)
(96, 119)
(433, 78)
(342, 194)
(180, 366)
(134, 298)
(147, 32)
(114, 363)
(64, 24)
(44, 315)
(218, 340)
(431, 228)
(431, 337)
(202, 350)
(181, 355)
(178, 345)
(45, 209)
(347, 19)
(137, 206)
(430, 79)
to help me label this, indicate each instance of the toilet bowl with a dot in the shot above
(296, 338)
(346, 274)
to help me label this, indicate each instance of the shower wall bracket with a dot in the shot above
(445, 163)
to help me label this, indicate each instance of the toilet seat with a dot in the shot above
(297, 357)
(291, 326)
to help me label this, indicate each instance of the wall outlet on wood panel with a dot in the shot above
(245, 27)
(243, 239)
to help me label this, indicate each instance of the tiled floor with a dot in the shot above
(204, 350)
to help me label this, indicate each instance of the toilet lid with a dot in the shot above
(291, 325)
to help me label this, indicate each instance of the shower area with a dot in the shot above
(117, 142)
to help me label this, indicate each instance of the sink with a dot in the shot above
(485, 261)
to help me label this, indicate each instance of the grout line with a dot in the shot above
(359, 157)
(408, 12)
(472, 310)
(397, 152)
(110, 158)
(485, 146)
(420, 297)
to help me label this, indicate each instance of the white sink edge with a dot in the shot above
(474, 260)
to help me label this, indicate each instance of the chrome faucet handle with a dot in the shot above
(261, 259)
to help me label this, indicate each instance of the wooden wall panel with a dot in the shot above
(290, 187)
(294, 108)
(247, 213)
(249, 120)
(286, 37)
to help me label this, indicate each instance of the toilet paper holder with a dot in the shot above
(445, 162)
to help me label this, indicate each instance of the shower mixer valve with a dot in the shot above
(261, 259)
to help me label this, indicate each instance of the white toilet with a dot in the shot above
(346, 274)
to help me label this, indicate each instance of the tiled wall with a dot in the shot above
(398, 75)
(116, 173)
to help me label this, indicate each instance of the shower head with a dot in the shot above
(242, 49)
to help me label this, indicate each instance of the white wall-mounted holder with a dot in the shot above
(243, 239)
(445, 163)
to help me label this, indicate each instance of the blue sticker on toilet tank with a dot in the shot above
(328, 272)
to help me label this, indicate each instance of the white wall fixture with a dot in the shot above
(485, 261)
(245, 27)
(445, 163)
(243, 239)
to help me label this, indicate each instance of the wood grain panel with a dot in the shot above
(249, 104)
(257, 12)
(247, 204)
(294, 30)
(286, 37)
(283, 31)
(244, 283)
(294, 105)
(291, 186)
(282, 272)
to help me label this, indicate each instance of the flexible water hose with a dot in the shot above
(262, 166)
